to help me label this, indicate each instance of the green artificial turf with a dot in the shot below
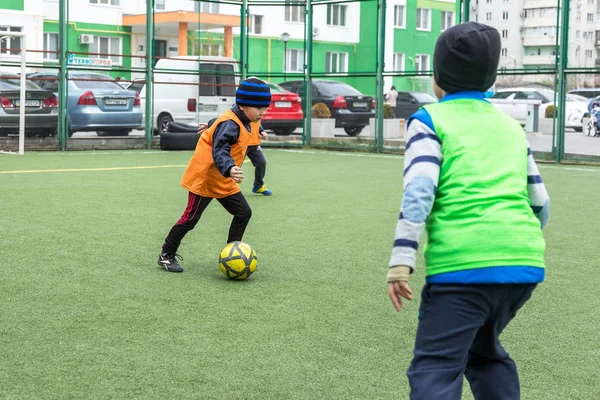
(87, 314)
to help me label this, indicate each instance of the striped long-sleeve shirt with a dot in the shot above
(423, 158)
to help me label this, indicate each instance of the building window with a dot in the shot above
(336, 15)
(488, 16)
(422, 62)
(504, 34)
(336, 62)
(578, 34)
(399, 16)
(488, 1)
(103, 46)
(10, 45)
(211, 49)
(209, 8)
(504, 52)
(588, 54)
(294, 14)
(106, 2)
(578, 16)
(398, 63)
(447, 20)
(424, 19)
(590, 17)
(255, 24)
(50, 46)
(294, 60)
(159, 5)
(505, 15)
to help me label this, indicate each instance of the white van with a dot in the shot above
(190, 89)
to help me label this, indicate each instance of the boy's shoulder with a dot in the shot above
(422, 116)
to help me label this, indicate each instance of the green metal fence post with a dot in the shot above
(149, 122)
(380, 67)
(244, 39)
(466, 13)
(562, 86)
(555, 80)
(308, 23)
(63, 125)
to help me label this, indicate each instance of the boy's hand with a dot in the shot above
(236, 174)
(397, 290)
(263, 134)
(398, 285)
(202, 127)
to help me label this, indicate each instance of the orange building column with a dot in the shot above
(182, 44)
(228, 42)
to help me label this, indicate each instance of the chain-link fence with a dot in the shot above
(344, 74)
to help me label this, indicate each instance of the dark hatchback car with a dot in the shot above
(350, 108)
(409, 102)
(41, 107)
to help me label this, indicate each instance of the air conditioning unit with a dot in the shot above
(522, 14)
(474, 7)
(86, 39)
(316, 31)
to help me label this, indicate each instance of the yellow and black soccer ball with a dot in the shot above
(237, 260)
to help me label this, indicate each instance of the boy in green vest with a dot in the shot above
(471, 183)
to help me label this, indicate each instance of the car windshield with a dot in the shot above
(14, 82)
(423, 97)
(330, 88)
(576, 97)
(95, 82)
(276, 88)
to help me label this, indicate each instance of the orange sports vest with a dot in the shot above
(202, 176)
(255, 140)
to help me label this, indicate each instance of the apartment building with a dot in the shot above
(529, 27)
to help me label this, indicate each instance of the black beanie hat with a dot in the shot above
(254, 93)
(466, 57)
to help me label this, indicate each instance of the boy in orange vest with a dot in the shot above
(214, 170)
(256, 156)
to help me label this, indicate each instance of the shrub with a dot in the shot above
(388, 111)
(551, 111)
(320, 110)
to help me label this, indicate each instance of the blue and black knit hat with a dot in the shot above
(254, 93)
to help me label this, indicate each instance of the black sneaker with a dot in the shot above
(169, 262)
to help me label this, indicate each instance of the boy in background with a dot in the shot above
(214, 170)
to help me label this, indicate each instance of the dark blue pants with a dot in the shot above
(458, 332)
(259, 161)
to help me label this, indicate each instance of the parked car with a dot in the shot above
(95, 102)
(199, 90)
(409, 102)
(41, 107)
(350, 108)
(284, 114)
(588, 93)
(514, 102)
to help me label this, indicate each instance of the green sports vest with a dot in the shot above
(481, 216)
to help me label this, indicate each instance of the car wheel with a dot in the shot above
(354, 131)
(163, 122)
(284, 131)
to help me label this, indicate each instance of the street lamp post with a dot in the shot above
(285, 37)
